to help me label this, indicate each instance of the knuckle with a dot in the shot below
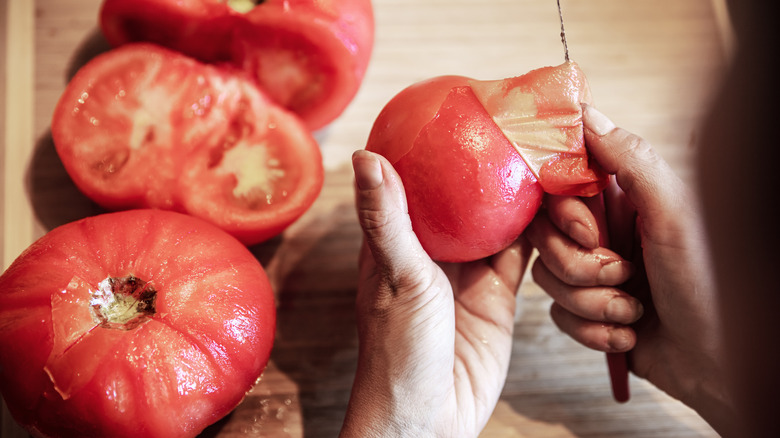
(556, 271)
(638, 162)
(571, 271)
(540, 272)
(372, 220)
(402, 279)
(638, 146)
(638, 150)
(400, 288)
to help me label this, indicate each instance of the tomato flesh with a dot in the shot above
(309, 55)
(167, 367)
(141, 126)
(476, 157)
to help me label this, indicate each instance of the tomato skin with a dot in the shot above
(476, 157)
(469, 193)
(185, 367)
(145, 127)
(309, 55)
(198, 28)
(541, 113)
(504, 193)
(396, 127)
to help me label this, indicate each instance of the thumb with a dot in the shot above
(384, 218)
(648, 181)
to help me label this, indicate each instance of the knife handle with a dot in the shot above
(618, 376)
(617, 363)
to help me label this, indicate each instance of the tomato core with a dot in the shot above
(122, 303)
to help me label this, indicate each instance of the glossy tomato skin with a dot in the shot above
(469, 193)
(184, 366)
(476, 157)
(198, 28)
(142, 126)
(309, 55)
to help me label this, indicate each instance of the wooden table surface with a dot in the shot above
(652, 67)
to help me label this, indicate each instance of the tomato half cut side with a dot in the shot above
(263, 176)
(143, 323)
(117, 124)
(142, 126)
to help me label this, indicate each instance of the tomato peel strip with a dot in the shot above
(540, 113)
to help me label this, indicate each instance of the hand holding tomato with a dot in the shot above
(143, 323)
(652, 220)
(435, 341)
(476, 157)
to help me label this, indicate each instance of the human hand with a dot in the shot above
(435, 340)
(659, 258)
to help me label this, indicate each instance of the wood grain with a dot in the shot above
(19, 122)
(652, 67)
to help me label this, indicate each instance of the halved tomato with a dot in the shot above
(476, 157)
(143, 323)
(143, 126)
(308, 55)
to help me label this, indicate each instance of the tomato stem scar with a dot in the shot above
(122, 303)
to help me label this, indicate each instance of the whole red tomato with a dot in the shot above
(143, 126)
(309, 55)
(142, 323)
(476, 157)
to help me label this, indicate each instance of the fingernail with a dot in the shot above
(623, 310)
(614, 272)
(583, 235)
(368, 170)
(596, 121)
(619, 340)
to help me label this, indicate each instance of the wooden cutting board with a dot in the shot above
(652, 68)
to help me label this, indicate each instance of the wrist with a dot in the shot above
(376, 413)
(711, 399)
(381, 405)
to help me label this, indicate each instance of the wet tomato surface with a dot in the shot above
(144, 323)
(476, 157)
(310, 56)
